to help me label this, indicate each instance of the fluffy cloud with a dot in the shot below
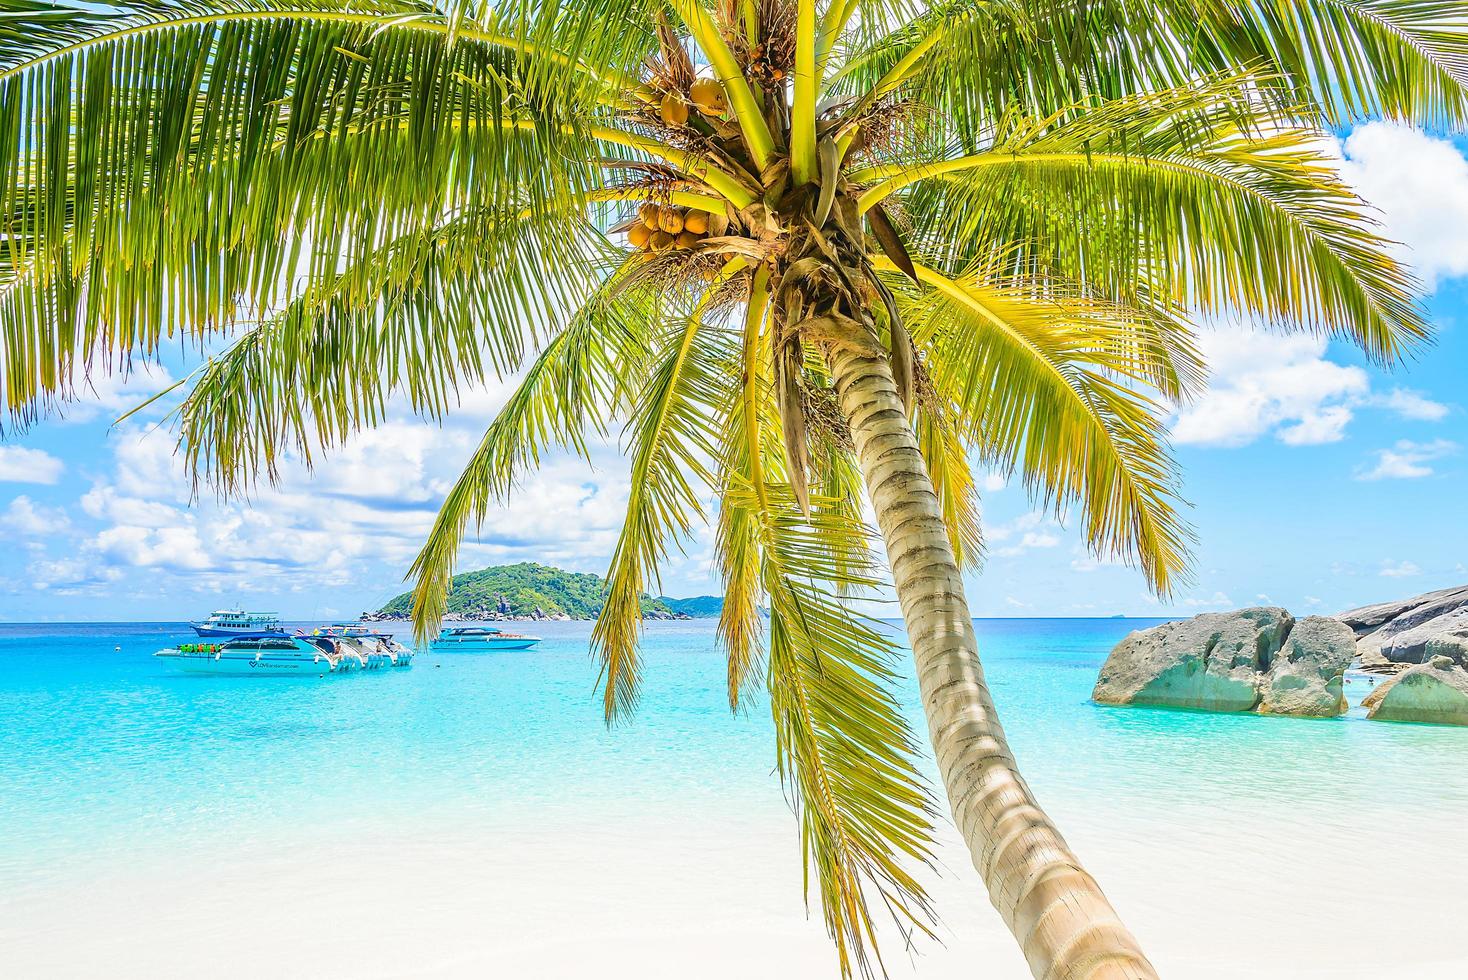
(21, 465)
(1217, 600)
(1420, 185)
(1407, 460)
(1025, 533)
(1283, 385)
(116, 393)
(357, 519)
(1399, 569)
(28, 518)
(1269, 383)
(1412, 405)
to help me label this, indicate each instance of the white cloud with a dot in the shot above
(992, 481)
(1263, 383)
(1399, 569)
(21, 465)
(26, 517)
(116, 393)
(1283, 385)
(1412, 405)
(358, 519)
(1312, 601)
(1407, 460)
(1084, 560)
(1420, 185)
(1217, 600)
(1026, 532)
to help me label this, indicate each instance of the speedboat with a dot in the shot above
(477, 639)
(257, 655)
(237, 622)
(371, 648)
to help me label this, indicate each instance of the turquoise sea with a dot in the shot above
(114, 770)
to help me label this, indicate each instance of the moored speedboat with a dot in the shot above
(256, 655)
(476, 639)
(237, 622)
(369, 648)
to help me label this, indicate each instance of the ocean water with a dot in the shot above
(115, 769)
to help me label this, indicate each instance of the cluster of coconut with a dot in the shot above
(706, 95)
(661, 227)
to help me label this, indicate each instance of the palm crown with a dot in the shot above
(721, 226)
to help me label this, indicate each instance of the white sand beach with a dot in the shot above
(667, 897)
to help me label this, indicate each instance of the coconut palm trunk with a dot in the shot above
(1056, 910)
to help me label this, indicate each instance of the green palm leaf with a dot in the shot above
(1171, 189)
(1039, 395)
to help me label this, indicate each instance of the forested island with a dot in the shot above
(530, 590)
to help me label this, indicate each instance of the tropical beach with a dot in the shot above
(472, 816)
(845, 488)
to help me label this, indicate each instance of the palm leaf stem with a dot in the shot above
(752, 123)
(803, 106)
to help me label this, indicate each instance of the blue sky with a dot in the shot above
(1315, 480)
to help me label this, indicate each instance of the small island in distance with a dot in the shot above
(530, 591)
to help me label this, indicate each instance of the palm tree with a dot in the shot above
(810, 254)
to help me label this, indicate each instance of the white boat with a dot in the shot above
(261, 656)
(287, 656)
(371, 648)
(237, 622)
(477, 639)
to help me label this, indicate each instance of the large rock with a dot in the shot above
(1259, 659)
(1411, 631)
(1304, 677)
(1436, 691)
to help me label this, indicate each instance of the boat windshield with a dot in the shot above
(260, 644)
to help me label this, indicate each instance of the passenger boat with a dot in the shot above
(300, 656)
(256, 655)
(477, 639)
(237, 622)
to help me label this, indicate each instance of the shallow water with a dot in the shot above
(116, 769)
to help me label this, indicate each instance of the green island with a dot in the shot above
(530, 590)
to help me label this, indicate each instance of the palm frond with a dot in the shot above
(428, 315)
(845, 753)
(579, 379)
(1171, 189)
(1037, 394)
(673, 433)
(1338, 61)
(175, 168)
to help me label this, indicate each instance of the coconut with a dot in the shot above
(660, 241)
(718, 224)
(638, 235)
(674, 110)
(696, 222)
(670, 220)
(686, 239)
(649, 214)
(708, 95)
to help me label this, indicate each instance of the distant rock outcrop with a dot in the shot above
(1435, 691)
(1260, 659)
(1412, 631)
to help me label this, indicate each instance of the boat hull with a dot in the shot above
(484, 646)
(235, 632)
(251, 666)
